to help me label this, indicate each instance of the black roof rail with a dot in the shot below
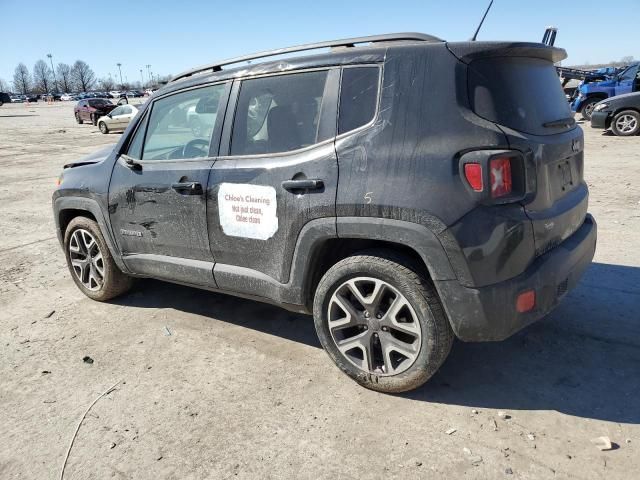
(347, 42)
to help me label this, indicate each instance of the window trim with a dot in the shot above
(330, 94)
(216, 133)
(378, 100)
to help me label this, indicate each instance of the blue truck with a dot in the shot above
(590, 93)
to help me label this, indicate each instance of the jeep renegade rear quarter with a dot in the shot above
(404, 191)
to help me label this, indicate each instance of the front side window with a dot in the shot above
(117, 111)
(181, 125)
(278, 113)
(358, 97)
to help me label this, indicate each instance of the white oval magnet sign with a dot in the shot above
(248, 211)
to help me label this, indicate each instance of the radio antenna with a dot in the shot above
(475, 35)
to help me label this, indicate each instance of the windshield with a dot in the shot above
(99, 103)
(628, 73)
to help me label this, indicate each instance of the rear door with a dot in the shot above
(277, 173)
(157, 194)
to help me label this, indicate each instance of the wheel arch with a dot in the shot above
(319, 247)
(68, 208)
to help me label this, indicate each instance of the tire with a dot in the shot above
(587, 107)
(103, 127)
(77, 241)
(626, 123)
(78, 119)
(94, 119)
(426, 346)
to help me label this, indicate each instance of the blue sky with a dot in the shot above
(175, 35)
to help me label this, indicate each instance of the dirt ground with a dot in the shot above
(218, 387)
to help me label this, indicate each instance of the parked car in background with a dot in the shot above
(591, 93)
(114, 93)
(31, 97)
(131, 93)
(118, 119)
(4, 98)
(92, 109)
(621, 114)
(65, 97)
(17, 99)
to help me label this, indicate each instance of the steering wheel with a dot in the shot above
(192, 150)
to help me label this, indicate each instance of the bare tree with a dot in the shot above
(4, 86)
(64, 77)
(42, 77)
(83, 76)
(106, 84)
(627, 60)
(21, 79)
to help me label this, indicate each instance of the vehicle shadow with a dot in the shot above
(583, 360)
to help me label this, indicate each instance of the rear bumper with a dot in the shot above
(489, 313)
(600, 120)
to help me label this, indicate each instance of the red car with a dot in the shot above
(92, 109)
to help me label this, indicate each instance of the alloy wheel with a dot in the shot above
(374, 326)
(626, 123)
(86, 259)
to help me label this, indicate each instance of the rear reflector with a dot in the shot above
(526, 301)
(500, 177)
(473, 174)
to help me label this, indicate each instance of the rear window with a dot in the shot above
(520, 93)
(99, 103)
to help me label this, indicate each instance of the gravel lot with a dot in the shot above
(242, 390)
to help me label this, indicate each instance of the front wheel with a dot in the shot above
(626, 123)
(103, 128)
(90, 263)
(78, 119)
(381, 322)
(588, 106)
(94, 119)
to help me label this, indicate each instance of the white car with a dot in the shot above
(114, 93)
(118, 119)
(66, 97)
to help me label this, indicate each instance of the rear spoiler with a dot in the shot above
(468, 51)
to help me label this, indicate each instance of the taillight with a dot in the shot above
(473, 174)
(500, 173)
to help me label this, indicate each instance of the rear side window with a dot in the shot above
(521, 93)
(278, 113)
(358, 97)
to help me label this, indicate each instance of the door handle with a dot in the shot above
(306, 184)
(189, 188)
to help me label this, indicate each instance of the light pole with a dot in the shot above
(55, 80)
(120, 70)
(149, 75)
(142, 79)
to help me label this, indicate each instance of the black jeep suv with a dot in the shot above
(404, 189)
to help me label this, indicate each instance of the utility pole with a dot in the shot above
(141, 78)
(148, 74)
(120, 70)
(55, 80)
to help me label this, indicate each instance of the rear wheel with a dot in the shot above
(78, 119)
(588, 106)
(626, 123)
(90, 263)
(381, 322)
(103, 127)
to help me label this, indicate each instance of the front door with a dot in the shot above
(277, 172)
(157, 200)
